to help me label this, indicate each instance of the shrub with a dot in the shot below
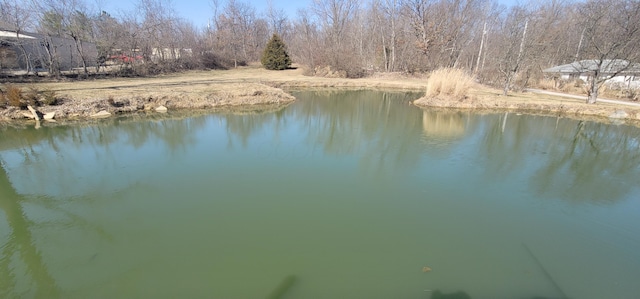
(49, 97)
(449, 82)
(13, 97)
(275, 56)
(35, 97)
(213, 61)
(3, 100)
(31, 97)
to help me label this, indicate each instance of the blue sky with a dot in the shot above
(199, 12)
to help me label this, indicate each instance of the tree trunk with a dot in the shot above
(592, 96)
(384, 50)
(52, 59)
(27, 60)
(512, 73)
(484, 32)
(80, 50)
(507, 84)
(392, 65)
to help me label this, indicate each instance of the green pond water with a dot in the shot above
(340, 195)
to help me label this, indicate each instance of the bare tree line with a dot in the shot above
(503, 46)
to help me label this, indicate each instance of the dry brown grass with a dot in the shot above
(449, 82)
(547, 84)
(13, 96)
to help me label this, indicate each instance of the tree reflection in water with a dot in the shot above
(381, 128)
(20, 246)
(576, 160)
(42, 168)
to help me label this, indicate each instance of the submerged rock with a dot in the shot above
(101, 114)
(619, 114)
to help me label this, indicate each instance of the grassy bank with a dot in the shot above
(249, 86)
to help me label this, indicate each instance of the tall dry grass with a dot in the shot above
(449, 82)
(547, 84)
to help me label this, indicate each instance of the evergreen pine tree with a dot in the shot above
(275, 55)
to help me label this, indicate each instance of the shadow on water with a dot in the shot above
(457, 295)
(463, 295)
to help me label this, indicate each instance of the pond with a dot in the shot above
(343, 194)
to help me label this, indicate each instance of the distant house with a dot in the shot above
(19, 51)
(623, 73)
(169, 53)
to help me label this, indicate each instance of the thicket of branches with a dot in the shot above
(502, 46)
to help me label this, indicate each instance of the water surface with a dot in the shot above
(351, 193)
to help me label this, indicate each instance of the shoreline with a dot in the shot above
(249, 87)
(562, 108)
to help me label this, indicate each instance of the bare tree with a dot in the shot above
(277, 18)
(611, 32)
(387, 12)
(158, 30)
(60, 19)
(110, 34)
(304, 46)
(20, 18)
(335, 17)
(444, 29)
(51, 26)
(236, 30)
(548, 33)
(510, 45)
(79, 27)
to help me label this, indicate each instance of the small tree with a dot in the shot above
(275, 55)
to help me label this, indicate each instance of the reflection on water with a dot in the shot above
(580, 161)
(18, 243)
(443, 123)
(341, 195)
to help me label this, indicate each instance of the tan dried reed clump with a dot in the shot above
(547, 84)
(449, 82)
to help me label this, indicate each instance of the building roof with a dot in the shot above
(7, 34)
(608, 66)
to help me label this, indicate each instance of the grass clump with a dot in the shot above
(449, 82)
(14, 96)
(548, 84)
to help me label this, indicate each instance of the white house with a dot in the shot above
(622, 73)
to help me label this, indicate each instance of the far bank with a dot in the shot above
(251, 86)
